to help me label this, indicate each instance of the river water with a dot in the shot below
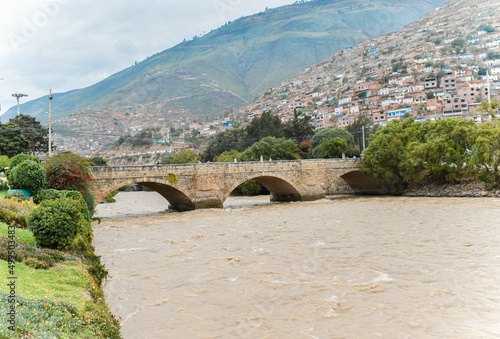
(358, 267)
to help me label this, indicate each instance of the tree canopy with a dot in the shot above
(34, 132)
(271, 148)
(23, 134)
(298, 129)
(332, 133)
(182, 157)
(446, 150)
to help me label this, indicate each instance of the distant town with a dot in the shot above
(441, 66)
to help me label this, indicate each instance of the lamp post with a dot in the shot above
(17, 96)
(50, 122)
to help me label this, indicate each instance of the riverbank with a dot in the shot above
(50, 293)
(464, 189)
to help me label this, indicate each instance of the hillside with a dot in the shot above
(231, 65)
(442, 65)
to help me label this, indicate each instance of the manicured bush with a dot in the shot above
(16, 160)
(28, 175)
(55, 223)
(85, 234)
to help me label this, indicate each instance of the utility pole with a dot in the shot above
(363, 135)
(50, 123)
(488, 86)
(17, 96)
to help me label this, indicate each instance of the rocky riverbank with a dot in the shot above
(465, 188)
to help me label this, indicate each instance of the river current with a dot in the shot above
(357, 267)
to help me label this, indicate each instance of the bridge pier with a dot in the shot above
(209, 203)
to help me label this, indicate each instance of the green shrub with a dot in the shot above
(68, 171)
(16, 160)
(28, 175)
(31, 255)
(12, 218)
(89, 200)
(14, 212)
(55, 223)
(46, 194)
(4, 186)
(84, 232)
(4, 162)
(110, 198)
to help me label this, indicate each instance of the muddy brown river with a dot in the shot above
(358, 267)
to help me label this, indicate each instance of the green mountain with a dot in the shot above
(230, 66)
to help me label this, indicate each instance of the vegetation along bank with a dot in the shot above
(51, 278)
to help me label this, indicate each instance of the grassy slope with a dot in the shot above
(45, 296)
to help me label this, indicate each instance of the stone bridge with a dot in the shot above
(207, 185)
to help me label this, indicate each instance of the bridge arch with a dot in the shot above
(360, 183)
(281, 189)
(178, 200)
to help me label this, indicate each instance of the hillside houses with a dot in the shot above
(440, 67)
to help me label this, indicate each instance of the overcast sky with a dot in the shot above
(69, 44)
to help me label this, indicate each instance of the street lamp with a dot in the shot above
(50, 122)
(17, 96)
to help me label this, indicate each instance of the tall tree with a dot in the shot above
(298, 128)
(331, 133)
(485, 152)
(232, 139)
(356, 129)
(387, 156)
(267, 125)
(12, 141)
(36, 135)
(489, 108)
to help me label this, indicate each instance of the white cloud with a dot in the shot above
(67, 44)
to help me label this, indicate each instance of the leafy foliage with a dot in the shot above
(484, 161)
(28, 175)
(36, 135)
(356, 129)
(41, 318)
(228, 156)
(98, 161)
(489, 108)
(143, 138)
(446, 150)
(55, 223)
(12, 141)
(182, 157)
(13, 212)
(68, 171)
(264, 126)
(19, 158)
(332, 133)
(31, 255)
(232, 139)
(387, 158)
(4, 162)
(298, 128)
(271, 148)
(332, 148)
